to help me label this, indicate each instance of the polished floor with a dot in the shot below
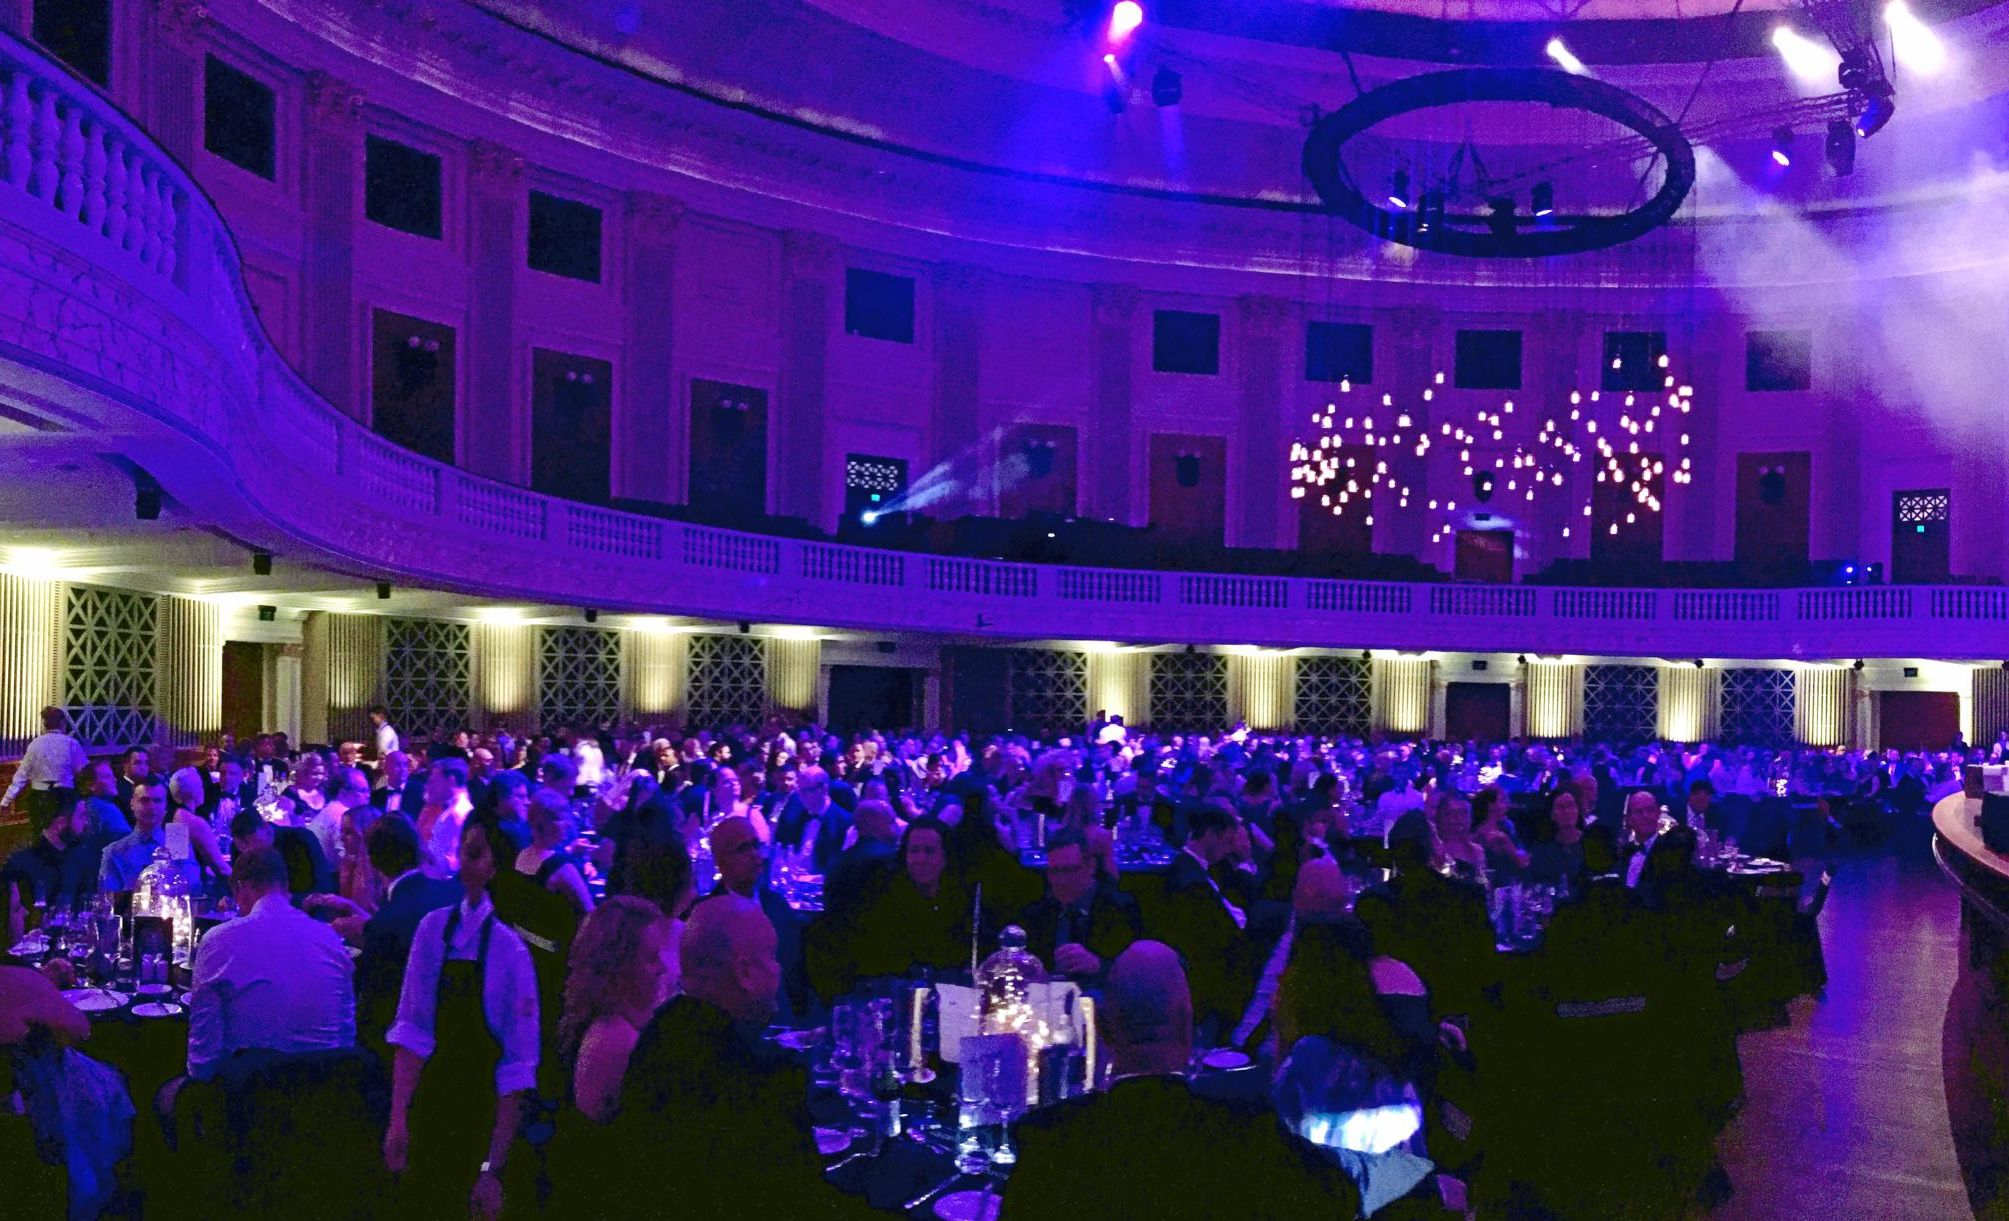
(1845, 1114)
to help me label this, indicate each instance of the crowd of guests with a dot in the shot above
(432, 902)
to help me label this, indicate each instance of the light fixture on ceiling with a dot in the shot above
(1124, 19)
(1782, 146)
(1543, 200)
(1840, 147)
(1559, 51)
(1168, 88)
(1398, 191)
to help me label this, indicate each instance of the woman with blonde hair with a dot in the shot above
(613, 983)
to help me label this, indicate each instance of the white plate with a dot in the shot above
(93, 1000)
(1222, 1059)
(155, 990)
(832, 1141)
(30, 947)
(968, 1206)
(153, 1009)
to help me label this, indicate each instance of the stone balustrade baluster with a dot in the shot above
(140, 239)
(70, 164)
(96, 162)
(117, 219)
(166, 220)
(20, 120)
(48, 132)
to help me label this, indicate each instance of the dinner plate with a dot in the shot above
(93, 1000)
(832, 1141)
(155, 1009)
(799, 1040)
(1223, 1059)
(30, 947)
(968, 1206)
(155, 990)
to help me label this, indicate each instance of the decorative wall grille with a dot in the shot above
(1757, 707)
(1620, 703)
(108, 665)
(1335, 695)
(728, 682)
(578, 676)
(1047, 692)
(428, 674)
(1189, 692)
(1919, 508)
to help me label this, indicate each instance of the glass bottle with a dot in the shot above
(1004, 986)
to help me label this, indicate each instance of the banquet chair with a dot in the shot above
(1811, 957)
(293, 1135)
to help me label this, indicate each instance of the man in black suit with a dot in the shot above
(1150, 1147)
(386, 937)
(703, 1092)
(307, 869)
(1084, 921)
(865, 863)
(1202, 921)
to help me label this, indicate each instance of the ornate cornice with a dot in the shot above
(494, 164)
(181, 21)
(332, 101)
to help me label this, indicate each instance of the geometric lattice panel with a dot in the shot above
(428, 674)
(728, 682)
(578, 677)
(1189, 692)
(1334, 695)
(1621, 703)
(1757, 707)
(108, 665)
(1048, 692)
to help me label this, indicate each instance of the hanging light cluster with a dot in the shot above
(1349, 465)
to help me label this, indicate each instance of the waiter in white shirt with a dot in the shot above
(48, 769)
(385, 733)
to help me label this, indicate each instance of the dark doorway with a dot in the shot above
(872, 697)
(1478, 711)
(571, 426)
(1920, 537)
(1774, 500)
(1917, 720)
(1485, 555)
(243, 688)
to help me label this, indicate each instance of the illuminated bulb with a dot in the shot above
(1428, 394)
(1345, 386)
(1918, 48)
(1440, 378)
(1614, 527)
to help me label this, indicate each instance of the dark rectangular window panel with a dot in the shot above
(878, 305)
(1185, 342)
(728, 458)
(1488, 360)
(239, 118)
(564, 237)
(401, 187)
(571, 426)
(1779, 360)
(411, 383)
(78, 32)
(1632, 360)
(1338, 351)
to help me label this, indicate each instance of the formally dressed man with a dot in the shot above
(864, 864)
(398, 791)
(383, 735)
(48, 769)
(1084, 921)
(60, 866)
(742, 869)
(134, 766)
(274, 979)
(386, 937)
(1201, 919)
(99, 787)
(308, 871)
(440, 819)
(1150, 1147)
(1642, 827)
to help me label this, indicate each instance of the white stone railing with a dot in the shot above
(117, 276)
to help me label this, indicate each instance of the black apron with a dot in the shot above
(452, 1118)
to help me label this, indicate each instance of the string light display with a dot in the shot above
(1349, 465)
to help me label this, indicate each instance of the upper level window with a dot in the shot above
(1338, 351)
(1632, 360)
(1488, 360)
(1185, 342)
(1778, 360)
(401, 187)
(564, 237)
(238, 118)
(878, 305)
(78, 32)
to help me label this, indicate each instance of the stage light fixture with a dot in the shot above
(1876, 112)
(266, 614)
(383, 591)
(1429, 210)
(745, 628)
(1544, 199)
(261, 563)
(1854, 72)
(146, 497)
(1124, 19)
(1398, 191)
(1782, 146)
(1500, 216)
(591, 615)
(1565, 59)
(1168, 88)
(1841, 147)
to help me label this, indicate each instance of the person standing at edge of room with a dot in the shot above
(48, 769)
(383, 734)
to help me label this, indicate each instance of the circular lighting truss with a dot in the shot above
(1657, 136)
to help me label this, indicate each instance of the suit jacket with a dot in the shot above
(1114, 922)
(857, 871)
(1198, 925)
(1150, 1147)
(387, 942)
(307, 867)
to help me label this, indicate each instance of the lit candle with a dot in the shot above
(1088, 1042)
(914, 1031)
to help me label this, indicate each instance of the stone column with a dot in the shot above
(794, 668)
(330, 204)
(494, 426)
(809, 302)
(505, 674)
(954, 422)
(1110, 442)
(341, 675)
(651, 409)
(1259, 487)
(654, 674)
(31, 648)
(175, 77)
(1404, 366)
(188, 667)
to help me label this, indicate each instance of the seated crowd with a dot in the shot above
(512, 930)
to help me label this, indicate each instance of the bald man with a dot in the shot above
(741, 858)
(1181, 1155)
(704, 1091)
(1642, 827)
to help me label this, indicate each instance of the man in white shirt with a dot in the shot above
(50, 763)
(591, 762)
(385, 734)
(446, 810)
(273, 979)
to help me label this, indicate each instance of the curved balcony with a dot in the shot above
(124, 321)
